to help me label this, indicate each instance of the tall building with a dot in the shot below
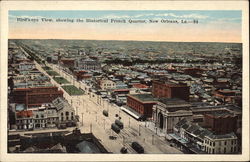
(162, 89)
(221, 123)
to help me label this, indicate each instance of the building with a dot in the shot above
(24, 119)
(170, 90)
(141, 103)
(65, 111)
(26, 66)
(221, 144)
(225, 95)
(221, 122)
(36, 96)
(195, 72)
(82, 75)
(67, 62)
(201, 140)
(168, 112)
(105, 84)
(87, 64)
(48, 115)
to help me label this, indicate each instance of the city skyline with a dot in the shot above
(213, 26)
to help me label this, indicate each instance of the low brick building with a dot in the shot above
(169, 90)
(141, 103)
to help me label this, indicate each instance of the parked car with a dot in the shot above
(124, 150)
(137, 147)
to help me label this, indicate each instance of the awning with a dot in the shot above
(178, 138)
(130, 112)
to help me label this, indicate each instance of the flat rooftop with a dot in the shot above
(144, 97)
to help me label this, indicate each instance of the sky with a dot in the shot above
(213, 25)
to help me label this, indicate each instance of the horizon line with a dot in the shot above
(120, 40)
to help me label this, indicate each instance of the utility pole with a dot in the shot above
(129, 122)
(104, 123)
(76, 110)
(82, 119)
(108, 106)
(139, 130)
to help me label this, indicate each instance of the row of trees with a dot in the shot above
(126, 62)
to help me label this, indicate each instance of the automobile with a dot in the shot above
(119, 123)
(124, 150)
(105, 113)
(115, 128)
(62, 126)
(137, 147)
(112, 137)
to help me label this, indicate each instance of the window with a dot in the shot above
(61, 114)
(67, 113)
(219, 150)
(225, 150)
(232, 142)
(219, 143)
(37, 116)
(225, 142)
(213, 151)
(213, 143)
(234, 148)
(231, 149)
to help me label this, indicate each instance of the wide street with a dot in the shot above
(90, 106)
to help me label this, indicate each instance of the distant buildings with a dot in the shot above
(87, 64)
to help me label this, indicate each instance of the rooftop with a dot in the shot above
(173, 101)
(144, 97)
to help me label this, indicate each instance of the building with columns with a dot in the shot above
(168, 112)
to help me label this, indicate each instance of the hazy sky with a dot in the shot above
(213, 26)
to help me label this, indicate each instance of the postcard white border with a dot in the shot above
(123, 5)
